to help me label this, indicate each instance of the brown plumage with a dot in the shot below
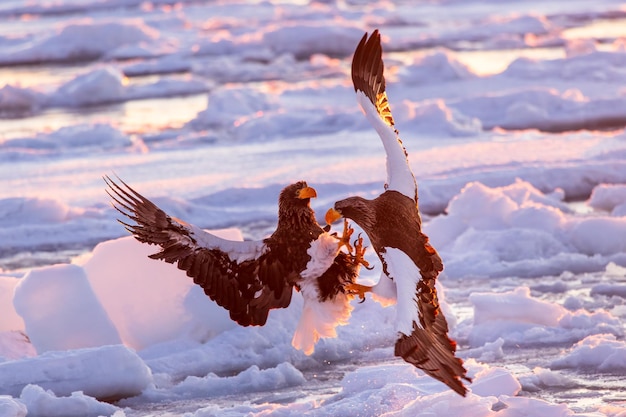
(247, 278)
(393, 224)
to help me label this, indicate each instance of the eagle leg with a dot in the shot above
(357, 289)
(359, 251)
(344, 240)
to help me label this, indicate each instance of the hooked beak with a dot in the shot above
(332, 216)
(307, 192)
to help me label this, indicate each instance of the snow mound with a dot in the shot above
(595, 65)
(42, 403)
(107, 372)
(10, 407)
(252, 379)
(437, 67)
(18, 101)
(70, 139)
(525, 230)
(609, 197)
(543, 109)
(103, 85)
(308, 38)
(229, 106)
(85, 40)
(520, 319)
(61, 311)
(435, 118)
(598, 353)
(169, 308)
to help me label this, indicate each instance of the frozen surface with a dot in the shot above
(106, 372)
(514, 125)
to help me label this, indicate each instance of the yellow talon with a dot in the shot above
(357, 289)
(344, 239)
(359, 252)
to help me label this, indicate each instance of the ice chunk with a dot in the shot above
(61, 311)
(42, 403)
(107, 372)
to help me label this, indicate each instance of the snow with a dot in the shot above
(61, 311)
(104, 372)
(601, 352)
(514, 126)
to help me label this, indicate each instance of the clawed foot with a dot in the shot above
(344, 240)
(357, 289)
(359, 252)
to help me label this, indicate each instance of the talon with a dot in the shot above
(357, 289)
(359, 252)
(344, 240)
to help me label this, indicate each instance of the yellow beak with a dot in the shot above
(307, 192)
(332, 216)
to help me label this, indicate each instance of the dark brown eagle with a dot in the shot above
(393, 224)
(249, 278)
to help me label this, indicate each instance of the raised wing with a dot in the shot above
(369, 84)
(242, 277)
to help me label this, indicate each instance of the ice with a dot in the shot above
(18, 101)
(609, 197)
(600, 352)
(80, 41)
(103, 85)
(11, 407)
(521, 319)
(513, 121)
(105, 372)
(169, 307)
(9, 320)
(40, 402)
(305, 39)
(252, 379)
(61, 310)
(524, 226)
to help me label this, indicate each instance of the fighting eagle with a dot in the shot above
(393, 224)
(249, 278)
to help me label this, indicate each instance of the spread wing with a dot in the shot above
(243, 277)
(369, 84)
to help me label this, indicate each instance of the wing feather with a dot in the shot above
(424, 341)
(369, 84)
(243, 277)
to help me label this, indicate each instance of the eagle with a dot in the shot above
(250, 278)
(392, 222)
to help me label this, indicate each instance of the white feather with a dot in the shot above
(399, 175)
(323, 251)
(319, 319)
(385, 291)
(238, 251)
(405, 275)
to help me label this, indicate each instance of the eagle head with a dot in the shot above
(354, 208)
(296, 197)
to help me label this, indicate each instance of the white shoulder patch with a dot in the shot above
(238, 251)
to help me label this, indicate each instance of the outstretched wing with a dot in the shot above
(423, 330)
(369, 84)
(242, 277)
